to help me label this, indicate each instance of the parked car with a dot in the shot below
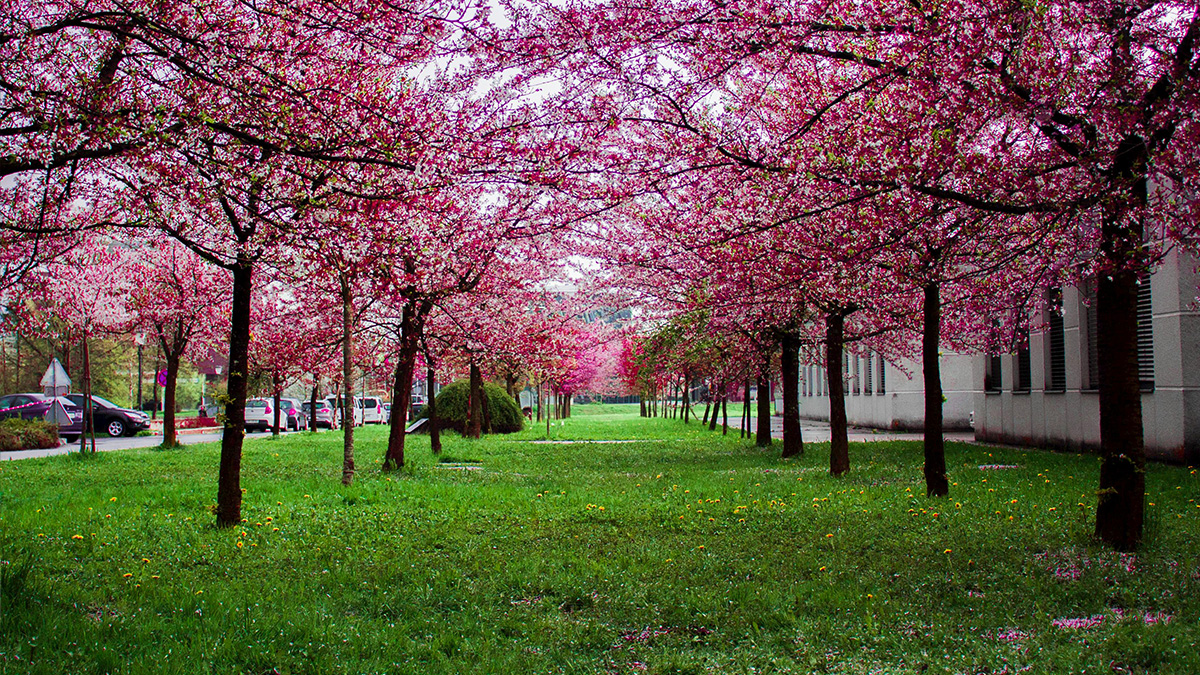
(335, 402)
(260, 414)
(387, 412)
(324, 417)
(111, 418)
(36, 406)
(373, 412)
(294, 411)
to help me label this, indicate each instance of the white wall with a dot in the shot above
(1071, 419)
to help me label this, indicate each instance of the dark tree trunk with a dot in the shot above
(229, 478)
(725, 415)
(762, 436)
(746, 410)
(170, 436)
(936, 483)
(435, 434)
(475, 404)
(793, 441)
(485, 407)
(712, 424)
(347, 385)
(707, 409)
(278, 394)
(839, 442)
(641, 406)
(686, 399)
(316, 390)
(411, 323)
(539, 405)
(1120, 507)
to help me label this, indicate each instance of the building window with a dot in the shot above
(992, 368)
(867, 384)
(845, 373)
(879, 386)
(857, 375)
(1022, 364)
(1145, 334)
(1091, 341)
(1055, 342)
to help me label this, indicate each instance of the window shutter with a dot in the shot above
(1056, 373)
(1145, 334)
(867, 384)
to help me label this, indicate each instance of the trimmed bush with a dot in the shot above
(19, 434)
(452, 408)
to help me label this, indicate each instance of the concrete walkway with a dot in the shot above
(104, 444)
(817, 431)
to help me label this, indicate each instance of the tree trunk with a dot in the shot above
(686, 399)
(707, 409)
(411, 324)
(435, 434)
(712, 424)
(170, 437)
(839, 441)
(316, 389)
(746, 410)
(725, 415)
(485, 408)
(936, 483)
(347, 382)
(793, 441)
(763, 434)
(89, 406)
(229, 478)
(641, 405)
(1120, 506)
(278, 394)
(475, 404)
(539, 405)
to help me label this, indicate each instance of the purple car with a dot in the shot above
(35, 406)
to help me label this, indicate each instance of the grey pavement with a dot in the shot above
(817, 431)
(104, 444)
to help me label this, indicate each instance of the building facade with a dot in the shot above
(885, 395)
(1046, 394)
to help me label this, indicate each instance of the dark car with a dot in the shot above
(111, 418)
(36, 406)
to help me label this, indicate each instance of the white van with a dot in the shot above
(373, 412)
(335, 402)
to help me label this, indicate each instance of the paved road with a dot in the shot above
(107, 444)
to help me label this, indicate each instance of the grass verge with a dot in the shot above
(678, 552)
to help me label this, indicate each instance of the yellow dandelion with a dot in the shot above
(701, 547)
(113, 499)
(829, 535)
(127, 575)
(154, 576)
(77, 536)
(239, 543)
(946, 551)
(822, 569)
(145, 560)
(274, 529)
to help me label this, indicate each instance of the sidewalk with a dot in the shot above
(817, 431)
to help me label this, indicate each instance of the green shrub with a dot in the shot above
(506, 417)
(19, 434)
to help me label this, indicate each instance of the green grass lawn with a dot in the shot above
(681, 552)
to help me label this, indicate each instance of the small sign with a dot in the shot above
(55, 382)
(58, 415)
(162, 378)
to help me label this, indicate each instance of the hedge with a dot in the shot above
(20, 434)
(452, 408)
